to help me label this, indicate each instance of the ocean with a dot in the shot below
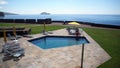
(98, 19)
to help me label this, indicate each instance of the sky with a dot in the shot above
(61, 6)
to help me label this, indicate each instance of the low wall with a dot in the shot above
(42, 21)
(48, 21)
(19, 21)
(31, 21)
(91, 24)
(104, 25)
(7, 20)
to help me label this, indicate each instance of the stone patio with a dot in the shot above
(63, 57)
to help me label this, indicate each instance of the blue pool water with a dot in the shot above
(57, 41)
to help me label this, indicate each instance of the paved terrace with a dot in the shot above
(63, 57)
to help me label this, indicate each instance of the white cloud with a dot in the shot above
(3, 2)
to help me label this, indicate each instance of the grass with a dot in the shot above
(108, 39)
(36, 28)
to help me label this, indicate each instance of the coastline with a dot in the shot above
(85, 18)
(50, 21)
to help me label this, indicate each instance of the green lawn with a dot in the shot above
(36, 28)
(108, 39)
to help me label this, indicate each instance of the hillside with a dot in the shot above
(6, 13)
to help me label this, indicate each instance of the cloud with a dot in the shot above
(2, 2)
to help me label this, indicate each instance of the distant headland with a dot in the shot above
(45, 13)
(2, 14)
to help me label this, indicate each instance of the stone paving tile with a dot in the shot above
(63, 57)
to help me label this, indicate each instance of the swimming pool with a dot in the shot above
(48, 42)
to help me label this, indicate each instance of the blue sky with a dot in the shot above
(61, 6)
